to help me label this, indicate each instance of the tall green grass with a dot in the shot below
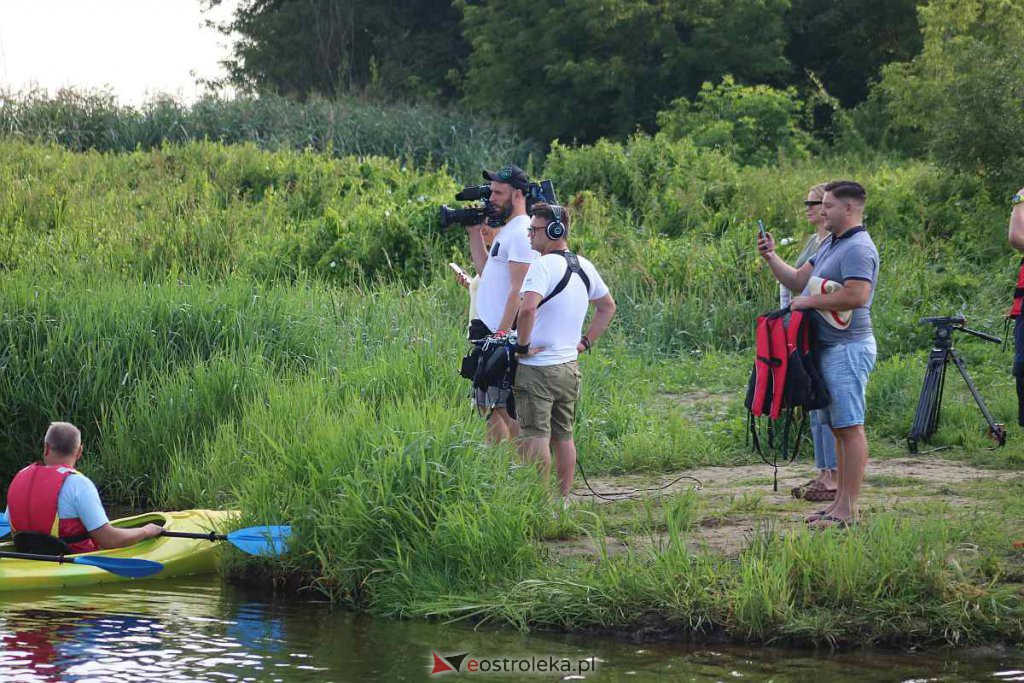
(423, 135)
(153, 370)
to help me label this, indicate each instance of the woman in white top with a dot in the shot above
(472, 284)
(823, 486)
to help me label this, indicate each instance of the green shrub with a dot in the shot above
(754, 124)
(965, 90)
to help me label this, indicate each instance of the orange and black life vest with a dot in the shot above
(1018, 293)
(32, 507)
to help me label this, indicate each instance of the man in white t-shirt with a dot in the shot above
(502, 269)
(557, 292)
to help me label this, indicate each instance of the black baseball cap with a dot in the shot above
(511, 174)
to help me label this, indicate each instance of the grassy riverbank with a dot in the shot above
(276, 331)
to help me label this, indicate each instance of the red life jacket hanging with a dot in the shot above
(785, 383)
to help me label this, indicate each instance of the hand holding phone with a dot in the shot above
(765, 244)
(460, 274)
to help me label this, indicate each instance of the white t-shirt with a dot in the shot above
(79, 498)
(559, 323)
(512, 243)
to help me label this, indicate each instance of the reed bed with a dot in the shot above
(423, 135)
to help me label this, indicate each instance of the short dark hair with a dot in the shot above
(544, 210)
(847, 189)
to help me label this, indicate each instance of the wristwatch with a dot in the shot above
(1017, 199)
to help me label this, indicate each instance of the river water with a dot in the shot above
(203, 630)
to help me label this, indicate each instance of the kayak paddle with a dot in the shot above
(254, 540)
(122, 566)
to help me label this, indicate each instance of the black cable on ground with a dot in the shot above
(614, 496)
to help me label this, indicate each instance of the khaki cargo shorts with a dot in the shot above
(546, 399)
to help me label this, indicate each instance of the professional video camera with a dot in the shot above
(473, 215)
(543, 191)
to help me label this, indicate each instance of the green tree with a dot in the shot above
(965, 91)
(753, 124)
(847, 43)
(583, 69)
(406, 48)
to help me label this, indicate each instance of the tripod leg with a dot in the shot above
(926, 416)
(994, 429)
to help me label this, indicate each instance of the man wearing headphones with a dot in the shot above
(502, 269)
(557, 292)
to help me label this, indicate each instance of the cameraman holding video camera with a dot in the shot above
(848, 352)
(502, 271)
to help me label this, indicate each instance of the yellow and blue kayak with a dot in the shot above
(179, 556)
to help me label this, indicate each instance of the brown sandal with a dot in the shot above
(833, 522)
(819, 494)
(814, 517)
(799, 491)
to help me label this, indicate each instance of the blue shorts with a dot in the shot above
(845, 369)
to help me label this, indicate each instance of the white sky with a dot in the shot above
(136, 48)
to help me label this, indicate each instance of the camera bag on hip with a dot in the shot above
(784, 385)
(477, 331)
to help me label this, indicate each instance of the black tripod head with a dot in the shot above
(945, 325)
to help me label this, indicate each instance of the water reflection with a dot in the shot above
(203, 631)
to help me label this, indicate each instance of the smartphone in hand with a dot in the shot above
(458, 271)
(760, 229)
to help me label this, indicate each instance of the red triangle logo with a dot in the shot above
(440, 666)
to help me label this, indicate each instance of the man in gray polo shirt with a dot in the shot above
(847, 356)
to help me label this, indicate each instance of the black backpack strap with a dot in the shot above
(573, 267)
(40, 544)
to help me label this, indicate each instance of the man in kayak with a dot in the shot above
(54, 502)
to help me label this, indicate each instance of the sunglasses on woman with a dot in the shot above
(808, 202)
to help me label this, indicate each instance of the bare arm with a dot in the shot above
(108, 536)
(605, 309)
(853, 294)
(527, 316)
(1016, 232)
(788, 276)
(476, 247)
(516, 273)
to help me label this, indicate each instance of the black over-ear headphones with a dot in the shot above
(556, 228)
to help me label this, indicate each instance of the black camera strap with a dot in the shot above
(573, 266)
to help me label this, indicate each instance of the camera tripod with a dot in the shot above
(926, 418)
